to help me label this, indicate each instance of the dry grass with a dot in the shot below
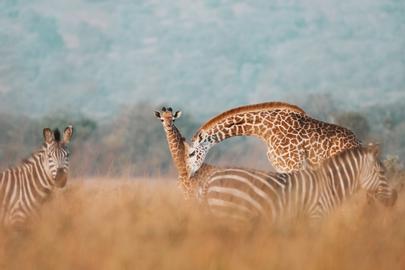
(147, 225)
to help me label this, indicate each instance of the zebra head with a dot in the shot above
(57, 155)
(198, 151)
(375, 180)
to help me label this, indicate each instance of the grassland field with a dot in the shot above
(146, 224)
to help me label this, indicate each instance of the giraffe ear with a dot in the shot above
(48, 135)
(177, 115)
(67, 134)
(157, 114)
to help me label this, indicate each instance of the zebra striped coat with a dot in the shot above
(25, 187)
(311, 193)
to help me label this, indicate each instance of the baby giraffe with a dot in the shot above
(178, 149)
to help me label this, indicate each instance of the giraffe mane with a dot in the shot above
(251, 108)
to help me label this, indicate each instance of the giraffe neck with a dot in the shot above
(245, 124)
(178, 149)
(269, 126)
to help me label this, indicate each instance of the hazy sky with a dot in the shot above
(94, 56)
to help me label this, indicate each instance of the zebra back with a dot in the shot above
(311, 193)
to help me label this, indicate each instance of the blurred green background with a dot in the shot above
(104, 66)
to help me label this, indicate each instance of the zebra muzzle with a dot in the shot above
(393, 199)
(390, 200)
(61, 178)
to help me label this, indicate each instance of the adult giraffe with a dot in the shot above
(294, 139)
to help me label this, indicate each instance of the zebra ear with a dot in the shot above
(67, 134)
(374, 149)
(48, 135)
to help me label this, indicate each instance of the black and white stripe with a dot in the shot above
(311, 193)
(25, 187)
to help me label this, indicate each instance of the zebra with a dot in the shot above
(25, 187)
(310, 193)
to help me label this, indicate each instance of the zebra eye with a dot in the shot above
(49, 156)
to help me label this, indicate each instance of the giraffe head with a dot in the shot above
(374, 179)
(167, 117)
(56, 154)
(202, 143)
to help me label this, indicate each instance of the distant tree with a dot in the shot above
(356, 122)
(320, 106)
(385, 117)
(394, 142)
(83, 126)
(18, 138)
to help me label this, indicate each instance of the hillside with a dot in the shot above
(95, 56)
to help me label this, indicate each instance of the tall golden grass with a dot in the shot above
(146, 224)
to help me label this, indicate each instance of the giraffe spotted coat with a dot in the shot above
(294, 140)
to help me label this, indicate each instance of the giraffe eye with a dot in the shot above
(192, 154)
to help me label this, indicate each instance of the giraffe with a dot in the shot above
(178, 149)
(294, 140)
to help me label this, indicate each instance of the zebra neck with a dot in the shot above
(339, 178)
(32, 175)
(34, 167)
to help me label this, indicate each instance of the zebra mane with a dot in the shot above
(342, 155)
(56, 134)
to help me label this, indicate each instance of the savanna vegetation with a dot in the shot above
(123, 224)
(122, 209)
